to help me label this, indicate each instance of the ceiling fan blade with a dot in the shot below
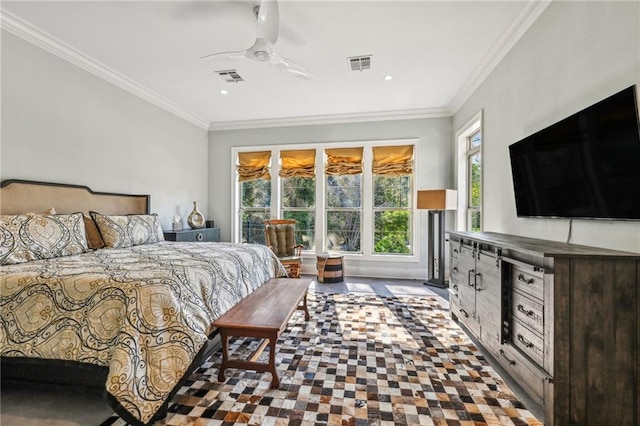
(227, 55)
(268, 21)
(285, 64)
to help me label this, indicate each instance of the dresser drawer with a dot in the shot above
(528, 280)
(194, 235)
(529, 342)
(527, 311)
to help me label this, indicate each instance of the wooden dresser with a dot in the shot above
(562, 319)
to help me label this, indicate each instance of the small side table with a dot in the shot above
(330, 268)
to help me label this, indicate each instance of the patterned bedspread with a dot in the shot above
(144, 312)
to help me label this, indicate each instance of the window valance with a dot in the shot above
(253, 165)
(298, 163)
(344, 161)
(393, 160)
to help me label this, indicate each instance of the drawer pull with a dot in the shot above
(524, 280)
(511, 362)
(475, 280)
(199, 237)
(524, 341)
(469, 278)
(530, 314)
(466, 315)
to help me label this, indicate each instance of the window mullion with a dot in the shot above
(276, 181)
(367, 202)
(321, 185)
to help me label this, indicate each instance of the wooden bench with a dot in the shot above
(263, 314)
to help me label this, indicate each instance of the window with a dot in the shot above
(344, 200)
(469, 165)
(298, 189)
(354, 198)
(392, 169)
(255, 194)
(474, 184)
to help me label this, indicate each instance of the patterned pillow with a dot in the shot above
(34, 237)
(129, 230)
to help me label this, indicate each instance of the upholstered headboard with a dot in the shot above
(24, 196)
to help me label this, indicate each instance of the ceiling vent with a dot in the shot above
(359, 63)
(230, 76)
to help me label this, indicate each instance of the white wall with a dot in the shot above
(63, 124)
(574, 55)
(435, 156)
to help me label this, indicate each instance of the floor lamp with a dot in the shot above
(436, 201)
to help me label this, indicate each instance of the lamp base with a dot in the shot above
(437, 283)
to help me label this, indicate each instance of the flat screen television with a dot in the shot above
(584, 166)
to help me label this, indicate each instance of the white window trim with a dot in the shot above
(367, 237)
(462, 136)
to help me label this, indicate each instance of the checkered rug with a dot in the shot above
(360, 360)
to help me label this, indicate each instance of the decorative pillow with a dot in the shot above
(129, 230)
(93, 234)
(34, 237)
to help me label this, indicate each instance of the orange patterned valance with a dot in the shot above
(253, 165)
(393, 160)
(298, 163)
(344, 161)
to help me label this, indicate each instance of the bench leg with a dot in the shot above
(225, 355)
(275, 380)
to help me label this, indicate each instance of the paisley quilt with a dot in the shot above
(144, 312)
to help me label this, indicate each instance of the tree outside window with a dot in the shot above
(255, 194)
(298, 203)
(474, 165)
(392, 218)
(344, 212)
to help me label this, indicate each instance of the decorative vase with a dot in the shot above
(195, 219)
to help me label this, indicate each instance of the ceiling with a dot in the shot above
(436, 51)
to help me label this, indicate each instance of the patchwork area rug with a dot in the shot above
(361, 360)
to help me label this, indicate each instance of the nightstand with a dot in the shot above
(194, 235)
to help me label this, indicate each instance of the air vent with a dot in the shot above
(230, 76)
(359, 63)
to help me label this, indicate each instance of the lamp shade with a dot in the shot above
(438, 199)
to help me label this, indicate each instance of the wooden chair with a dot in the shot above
(280, 235)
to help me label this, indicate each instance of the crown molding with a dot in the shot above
(331, 119)
(46, 41)
(509, 38)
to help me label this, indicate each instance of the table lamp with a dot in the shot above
(436, 201)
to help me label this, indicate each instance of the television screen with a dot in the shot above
(585, 166)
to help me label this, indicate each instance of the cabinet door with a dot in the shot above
(488, 286)
(466, 288)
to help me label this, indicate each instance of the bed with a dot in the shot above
(134, 317)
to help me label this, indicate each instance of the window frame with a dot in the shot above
(367, 222)
(463, 138)
(409, 209)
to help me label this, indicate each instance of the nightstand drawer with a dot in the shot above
(194, 235)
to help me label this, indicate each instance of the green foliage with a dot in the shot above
(256, 193)
(392, 232)
(298, 192)
(391, 191)
(392, 243)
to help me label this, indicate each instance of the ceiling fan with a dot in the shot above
(266, 37)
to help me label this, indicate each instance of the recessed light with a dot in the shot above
(223, 92)
(388, 77)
